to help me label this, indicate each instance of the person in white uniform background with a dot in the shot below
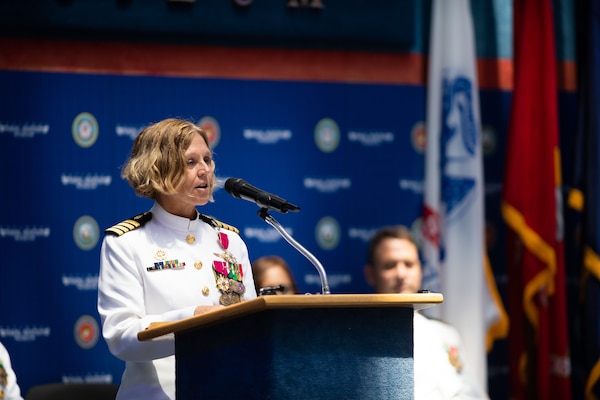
(9, 388)
(393, 266)
(168, 263)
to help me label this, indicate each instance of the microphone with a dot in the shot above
(241, 189)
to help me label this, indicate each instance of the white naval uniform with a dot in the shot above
(437, 356)
(130, 297)
(10, 389)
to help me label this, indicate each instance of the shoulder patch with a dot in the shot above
(218, 224)
(129, 224)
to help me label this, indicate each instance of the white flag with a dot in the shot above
(453, 242)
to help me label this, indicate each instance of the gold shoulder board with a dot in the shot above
(226, 226)
(129, 224)
(217, 223)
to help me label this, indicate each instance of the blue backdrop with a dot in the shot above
(62, 152)
(350, 155)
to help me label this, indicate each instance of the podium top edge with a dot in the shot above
(416, 301)
(353, 300)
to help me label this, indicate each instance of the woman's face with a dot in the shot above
(275, 276)
(195, 190)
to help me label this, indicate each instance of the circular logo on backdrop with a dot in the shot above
(86, 332)
(86, 232)
(85, 129)
(212, 129)
(327, 135)
(328, 233)
(418, 137)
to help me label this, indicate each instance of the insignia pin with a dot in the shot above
(160, 255)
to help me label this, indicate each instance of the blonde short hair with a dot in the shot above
(157, 161)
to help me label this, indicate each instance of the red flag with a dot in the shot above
(532, 208)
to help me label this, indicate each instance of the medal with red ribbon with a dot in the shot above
(228, 274)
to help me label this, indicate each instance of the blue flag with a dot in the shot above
(586, 195)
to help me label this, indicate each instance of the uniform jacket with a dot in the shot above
(150, 273)
(439, 363)
(9, 388)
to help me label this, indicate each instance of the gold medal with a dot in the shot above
(3, 379)
(454, 358)
(228, 299)
(223, 284)
(197, 264)
(160, 255)
(237, 287)
(227, 256)
(190, 238)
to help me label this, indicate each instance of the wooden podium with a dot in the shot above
(346, 346)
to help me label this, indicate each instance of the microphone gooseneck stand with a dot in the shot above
(268, 218)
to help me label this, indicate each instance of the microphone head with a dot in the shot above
(241, 189)
(231, 185)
